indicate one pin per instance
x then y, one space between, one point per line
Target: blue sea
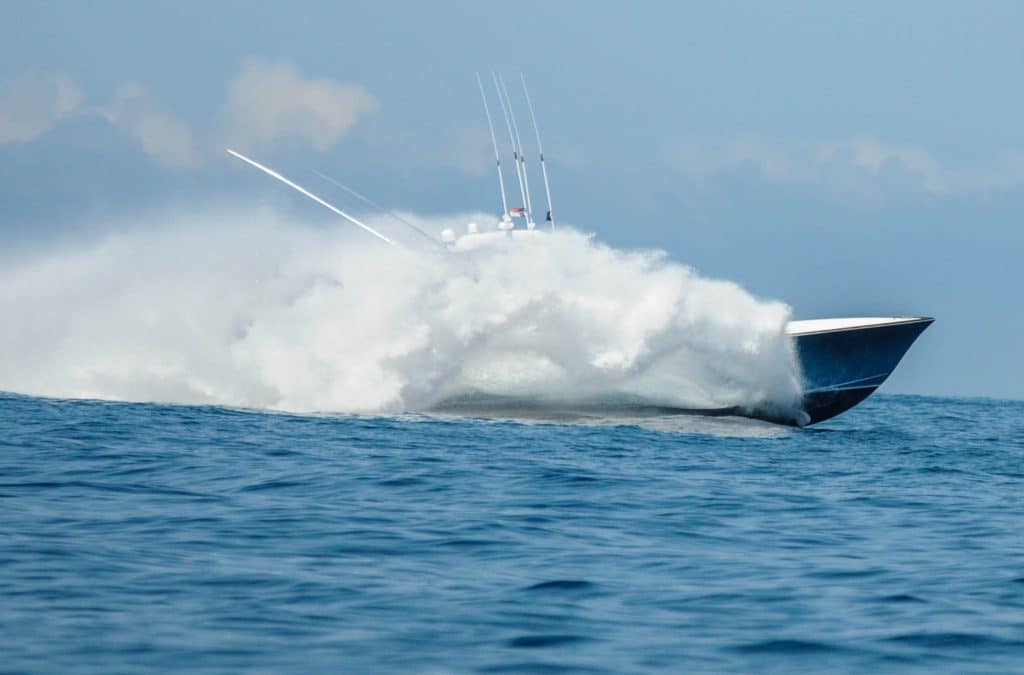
141 537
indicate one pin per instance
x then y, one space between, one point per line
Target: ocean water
144 537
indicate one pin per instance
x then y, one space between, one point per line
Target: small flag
516 211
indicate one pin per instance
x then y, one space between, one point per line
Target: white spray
250 310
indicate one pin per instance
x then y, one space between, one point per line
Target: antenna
373 204
318 200
522 161
540 149
494 142
512 138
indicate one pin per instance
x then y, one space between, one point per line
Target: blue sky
856 159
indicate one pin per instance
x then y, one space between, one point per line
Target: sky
847 158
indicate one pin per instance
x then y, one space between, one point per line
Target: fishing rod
512 139
318 200
375 205
540 149
526 180
494 142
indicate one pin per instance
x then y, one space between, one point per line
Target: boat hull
844 361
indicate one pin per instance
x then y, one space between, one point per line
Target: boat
842 360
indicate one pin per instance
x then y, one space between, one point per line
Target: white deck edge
806 326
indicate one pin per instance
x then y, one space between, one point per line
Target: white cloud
852 165
270 101
874 157
32 103
162 135
700 158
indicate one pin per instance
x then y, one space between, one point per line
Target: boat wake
257 311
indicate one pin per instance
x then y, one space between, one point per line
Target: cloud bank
857 164
265 104
270 105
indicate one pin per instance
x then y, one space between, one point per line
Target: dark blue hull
843 366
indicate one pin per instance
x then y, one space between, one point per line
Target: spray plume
249 310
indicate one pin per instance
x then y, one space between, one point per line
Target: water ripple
142 537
